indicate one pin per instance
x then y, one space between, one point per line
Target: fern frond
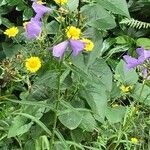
135 23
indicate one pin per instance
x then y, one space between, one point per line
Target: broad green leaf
98 17
145 95
52 27
115 115
10 49
70 118
88 122
37 121
99 95
143 42
100 72
19 126
27 13
73 4
125 76
115 6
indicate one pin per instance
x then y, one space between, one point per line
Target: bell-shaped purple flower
76 46
59 50
40 10
132 62
143 54
33 28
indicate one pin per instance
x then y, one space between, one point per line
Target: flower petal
76 46
143 54
132 62
58 50
33 28
40 10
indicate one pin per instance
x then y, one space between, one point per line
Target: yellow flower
114 105
73 32
88 44
11 32
134 140
33 64
125 89
61 2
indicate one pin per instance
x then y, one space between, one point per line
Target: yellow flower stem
56 106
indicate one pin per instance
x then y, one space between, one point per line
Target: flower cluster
33 27
76 45
143 60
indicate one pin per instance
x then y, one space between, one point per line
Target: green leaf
70 118
37 121
115 6
73 4
19 126
13 2
143 42
88 122
27 13
125 76
100 72
145 96
52 27
10 49
98 17
115 115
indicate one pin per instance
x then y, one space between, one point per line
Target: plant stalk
56 107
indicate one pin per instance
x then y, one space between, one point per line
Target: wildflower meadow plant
63 82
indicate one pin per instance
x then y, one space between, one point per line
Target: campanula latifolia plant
71 78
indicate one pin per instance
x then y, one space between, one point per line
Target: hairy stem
56 107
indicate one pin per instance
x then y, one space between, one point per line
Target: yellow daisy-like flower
11 32
134 140
73 32
33 64
125 89
61 2
88 44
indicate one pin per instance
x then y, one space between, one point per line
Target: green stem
79 15
56 107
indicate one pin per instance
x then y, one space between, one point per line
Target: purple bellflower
40 10
143 54
76 46
33 28
134 62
